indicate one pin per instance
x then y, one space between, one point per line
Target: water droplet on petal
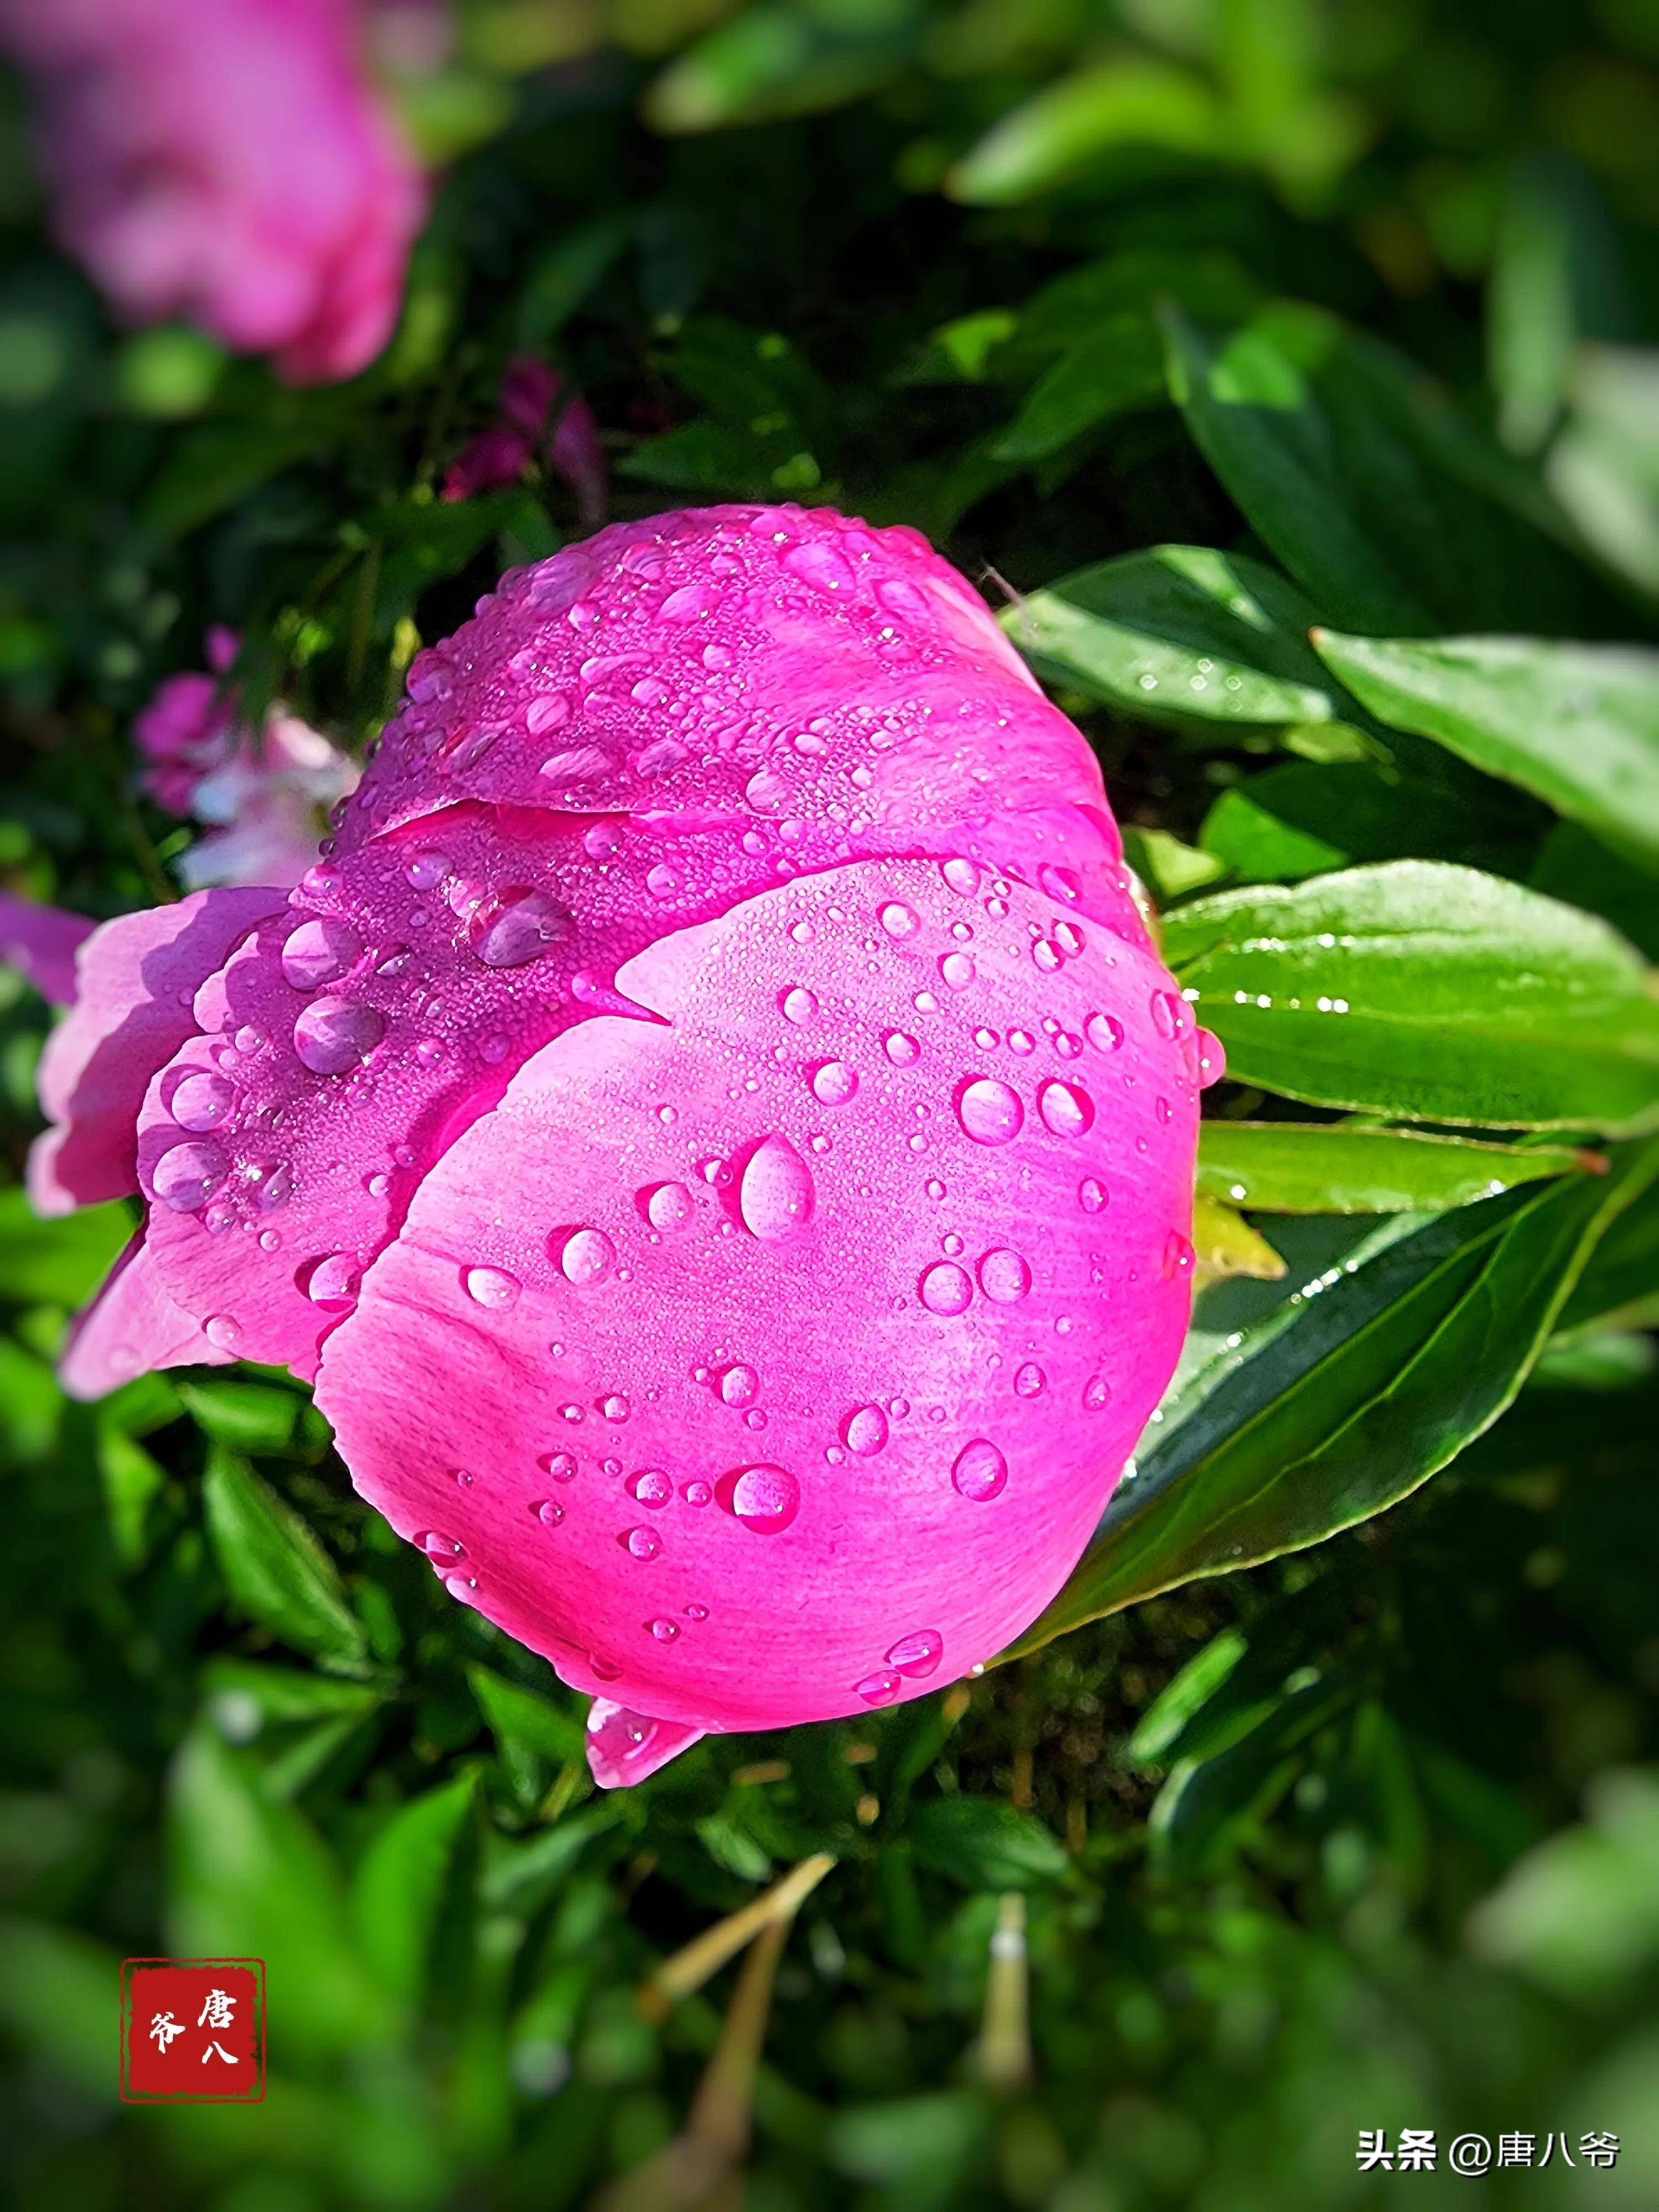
518 925
650 1487
560 1465
918 1654
586 1255
739 1385
1067 1108
956 970
945 1289
1091 1195
1179 1257
900 1049
765 1498
319 952
775 1196
1097 1392
332 1281
663 1631
187 1176
202 1102
668 1207
1062 883
1210 1059
898 919
1003 1276
1029 1381
834 1083
426 870
640 1543
989 1112
864 1431
335 1035
879 1689
1104 1031
220 1331
962 875
979 1471
798 1006
697 1494
548 1512
491 1286
1171 1017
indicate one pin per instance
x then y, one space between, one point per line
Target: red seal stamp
192 2031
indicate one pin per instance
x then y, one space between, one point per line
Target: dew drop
1104 1031
765 1498
221 1330
518 925
898 919
491 1286
798 1006
586 1255
668 1207
900 1048
319 952
956 970
548 1512
1211 1059
962 875
1092 1195
697 1493
917 1654
989 1112
1029 1381
880 1689
1097 1392
834 1083
187 1176
1067 1108
979 1471
864 1431
640 1543
663 1631
1062 883
650 1487
775 1196
335 1035
561 1466
1171 1017
614 1408
1003 1276
202 1102
1179 1257
945 1288
331 1282
427 869
739 1385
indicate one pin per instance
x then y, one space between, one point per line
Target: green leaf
248 1417
1071 123
984 1844
1620 1287
530 1733
1207 1805
250 1877
399 1887
1577 726
277 1572
1167 868
1118 367
1295 1167
1335 1402
1304 819
1428 992
131 1479
1165 1720
1183 631
1393 512
60 1262
1071 307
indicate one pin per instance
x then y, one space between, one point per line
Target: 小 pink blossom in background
528 390
228 162
712 1122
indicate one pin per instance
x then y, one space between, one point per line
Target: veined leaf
1576 724
1377 497
1306 819
1296 1167
1181 630
1428 992
277 1572
1338 1400
1620 1288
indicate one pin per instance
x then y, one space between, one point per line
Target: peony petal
41 943
624 1747
131 1326
851 1281
137 976
794 668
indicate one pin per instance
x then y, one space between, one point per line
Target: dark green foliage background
1315 1835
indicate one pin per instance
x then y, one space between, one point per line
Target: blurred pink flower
226 161
712 1120
264 794
526 396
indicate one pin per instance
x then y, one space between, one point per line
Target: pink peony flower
41 943
225 159
496 456
720 1045
265 794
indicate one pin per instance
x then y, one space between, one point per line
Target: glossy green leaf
248 1417
1074 121
1208 1804
399 1888
1620 1288
1181 630
1321 1408
984 1844
1393 512
1296 1167
277 1572
530 1734
1166 1719
1426 992
1306 819
1577 726
1118 366
252 1877
60 1262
